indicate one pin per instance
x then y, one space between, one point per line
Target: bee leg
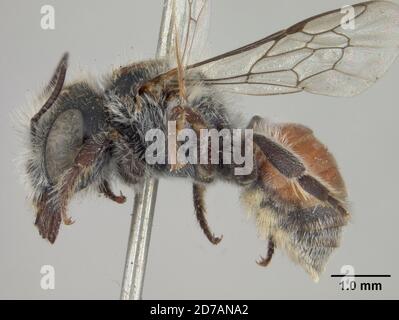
178 114
48 220
289 165
84 162
183 116
205 173
292 167
247 179
200 211
264 261
254 121
107 191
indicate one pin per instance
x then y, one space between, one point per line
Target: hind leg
293 168
264 261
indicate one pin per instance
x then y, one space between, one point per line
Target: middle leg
105 189
200 211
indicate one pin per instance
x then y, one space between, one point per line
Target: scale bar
361 275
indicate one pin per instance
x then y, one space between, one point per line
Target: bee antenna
56 83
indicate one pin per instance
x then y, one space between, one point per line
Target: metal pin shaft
144 201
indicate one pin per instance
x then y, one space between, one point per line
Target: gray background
89 256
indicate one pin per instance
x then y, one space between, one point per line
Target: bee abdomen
303 213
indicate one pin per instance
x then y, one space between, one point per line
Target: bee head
70 115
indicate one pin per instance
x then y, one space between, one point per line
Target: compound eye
63 143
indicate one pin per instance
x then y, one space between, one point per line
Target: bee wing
190 21
337 53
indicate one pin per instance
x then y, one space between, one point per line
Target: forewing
195 36
321 55
190 22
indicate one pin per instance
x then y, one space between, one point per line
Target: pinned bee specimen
85 135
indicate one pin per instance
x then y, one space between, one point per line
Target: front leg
52 205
